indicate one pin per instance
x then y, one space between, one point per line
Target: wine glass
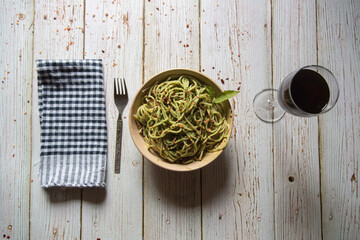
306 92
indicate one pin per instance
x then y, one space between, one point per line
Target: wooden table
295 179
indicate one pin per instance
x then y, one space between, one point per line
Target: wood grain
172 207
339 48
114 33
237 201
296 179
296 156
58 34
15 117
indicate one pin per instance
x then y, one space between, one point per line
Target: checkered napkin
73 123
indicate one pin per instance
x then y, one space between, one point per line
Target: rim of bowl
137 137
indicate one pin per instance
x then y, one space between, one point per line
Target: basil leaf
225 96
211 91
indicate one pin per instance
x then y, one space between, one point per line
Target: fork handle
118 145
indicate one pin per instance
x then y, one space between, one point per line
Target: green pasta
180 122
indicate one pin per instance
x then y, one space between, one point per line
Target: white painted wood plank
55 213
172 207
114 33
15 117
237 201
339 48
171 36
296 156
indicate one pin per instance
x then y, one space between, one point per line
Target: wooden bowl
139 139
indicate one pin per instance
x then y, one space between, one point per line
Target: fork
120 99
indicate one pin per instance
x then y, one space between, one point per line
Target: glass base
266 106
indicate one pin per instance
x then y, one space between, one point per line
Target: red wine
306 92
309 91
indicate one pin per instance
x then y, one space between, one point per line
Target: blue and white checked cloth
73 123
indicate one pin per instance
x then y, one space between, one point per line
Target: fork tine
121 86
121 82
116 87
125 89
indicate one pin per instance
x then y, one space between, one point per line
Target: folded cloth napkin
73 123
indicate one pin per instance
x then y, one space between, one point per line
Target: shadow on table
216 178
92 195
187 189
